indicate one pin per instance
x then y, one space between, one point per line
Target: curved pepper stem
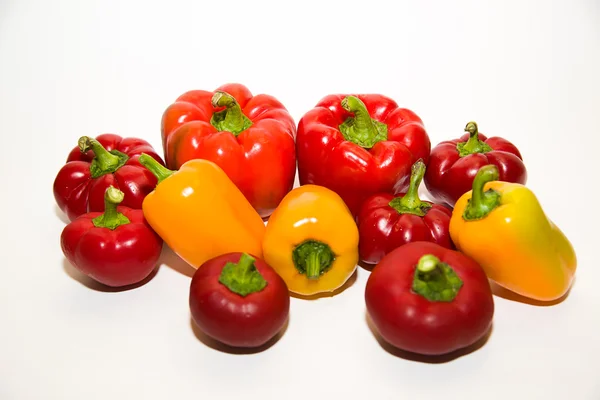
154 166
361 129
313 258
482 203
473 145
242 277
410 202
231 119
435 280
111 218
104 162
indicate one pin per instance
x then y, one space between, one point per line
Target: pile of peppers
220 194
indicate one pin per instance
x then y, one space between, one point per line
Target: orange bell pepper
200 213
502 226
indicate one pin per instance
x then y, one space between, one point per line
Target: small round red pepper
116 248
426 299
96 164
359 145
239 300
453 164
386 222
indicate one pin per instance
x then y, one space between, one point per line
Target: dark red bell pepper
386 222
251 137
96 164
359 145
239 300
116 248
426 299
454 163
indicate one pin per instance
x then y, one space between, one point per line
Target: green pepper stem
473 145
154 166
111 218
231 119
242 277
427 263
312 258
104 161
361 128
435 280
482 202
410 202
103 157
313 265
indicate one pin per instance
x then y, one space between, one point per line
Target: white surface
527 71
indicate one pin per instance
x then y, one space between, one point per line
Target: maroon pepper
96 164
386 222
239 300
116 248
453 164
426 299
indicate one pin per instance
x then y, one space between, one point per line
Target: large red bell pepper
252 138
359 145
98 163
454 163
386 222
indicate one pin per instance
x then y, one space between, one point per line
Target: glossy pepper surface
502 226
359 145
96 164
200 213
251 137
454 163
116 247
386 222
427 299
239 300
311 241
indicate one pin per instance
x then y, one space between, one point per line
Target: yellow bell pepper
200 213
311 241
503 227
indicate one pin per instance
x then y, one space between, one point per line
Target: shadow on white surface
339 290
173 261
506 294
61 215
216 345
445 358
90 283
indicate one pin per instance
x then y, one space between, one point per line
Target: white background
525 70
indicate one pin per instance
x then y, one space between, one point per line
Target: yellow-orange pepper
311 241
200 213
503 227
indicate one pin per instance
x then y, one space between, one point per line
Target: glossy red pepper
252 138
360 145
239 300
96 164
116 248
454 163
426 299
386 222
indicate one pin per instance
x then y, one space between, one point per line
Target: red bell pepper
454 163
426 299
359 145
239 300
98 163
386 222
116 248
252 138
